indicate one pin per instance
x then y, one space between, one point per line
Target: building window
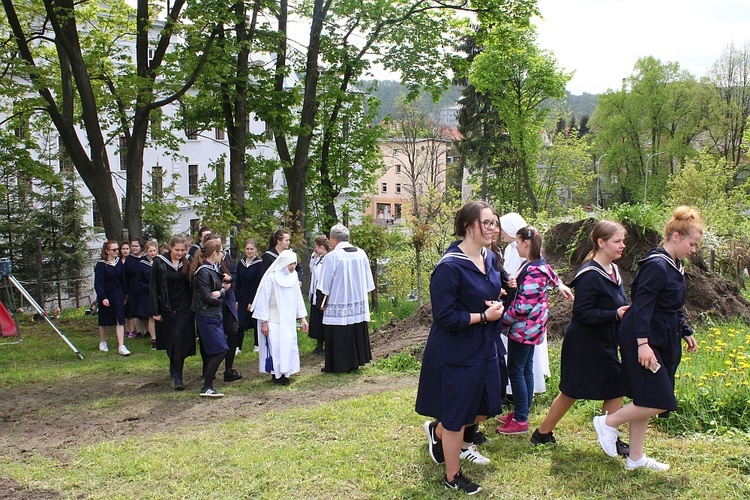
191 134
122 204
22 130
268 133
157 181
96 215
398 169
398 188
384 187
397 211
193 180
123 144
151 54
194 226
219 134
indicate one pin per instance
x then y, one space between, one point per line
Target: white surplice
347 278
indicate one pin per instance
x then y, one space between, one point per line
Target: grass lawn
359 446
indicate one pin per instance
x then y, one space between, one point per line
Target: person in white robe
345 284
277 307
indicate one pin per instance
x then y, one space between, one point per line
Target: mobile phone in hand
654 367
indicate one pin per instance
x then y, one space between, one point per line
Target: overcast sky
602 39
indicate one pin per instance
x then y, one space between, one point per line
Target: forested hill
583 104
390 92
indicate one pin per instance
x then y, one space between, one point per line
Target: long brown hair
531 233
199 257
178 239
604 229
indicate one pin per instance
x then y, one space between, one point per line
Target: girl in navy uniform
650 339
143 307
590 364
109 284
322 247
170 302
229 315
209 290
248 279
459 384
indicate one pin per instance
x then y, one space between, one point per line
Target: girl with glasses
109 284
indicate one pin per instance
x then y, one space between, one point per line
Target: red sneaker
504 419
513 427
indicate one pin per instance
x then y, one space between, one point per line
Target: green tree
650 124
161 209
730 107
566 170
518 77
216 208
373 239
85 79
413 37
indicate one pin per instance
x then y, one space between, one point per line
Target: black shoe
479 438
178 385
139 335
283 380
232 375
539 438
434 445
319 350
623 449
461 482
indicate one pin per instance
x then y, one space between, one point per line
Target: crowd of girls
184 293
610 350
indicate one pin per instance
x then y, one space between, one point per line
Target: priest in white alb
345 284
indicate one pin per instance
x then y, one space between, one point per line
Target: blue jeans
521 375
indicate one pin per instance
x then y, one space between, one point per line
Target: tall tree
728 116
76 61
413 37
647 128
422 146
518 77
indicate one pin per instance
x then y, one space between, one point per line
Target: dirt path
54 420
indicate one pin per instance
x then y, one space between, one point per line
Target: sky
601 40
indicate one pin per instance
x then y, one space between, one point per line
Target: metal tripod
5 270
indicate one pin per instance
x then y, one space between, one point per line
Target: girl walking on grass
590 364
209 290
526 324
459 384
109 284
649 339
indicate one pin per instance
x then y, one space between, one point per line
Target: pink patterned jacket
525 319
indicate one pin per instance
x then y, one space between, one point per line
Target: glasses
489 223
112 249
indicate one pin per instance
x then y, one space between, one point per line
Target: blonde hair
685 220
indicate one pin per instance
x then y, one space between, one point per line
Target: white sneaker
256 349
607 435
123 350
103 347
472 454
237 351
645 463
